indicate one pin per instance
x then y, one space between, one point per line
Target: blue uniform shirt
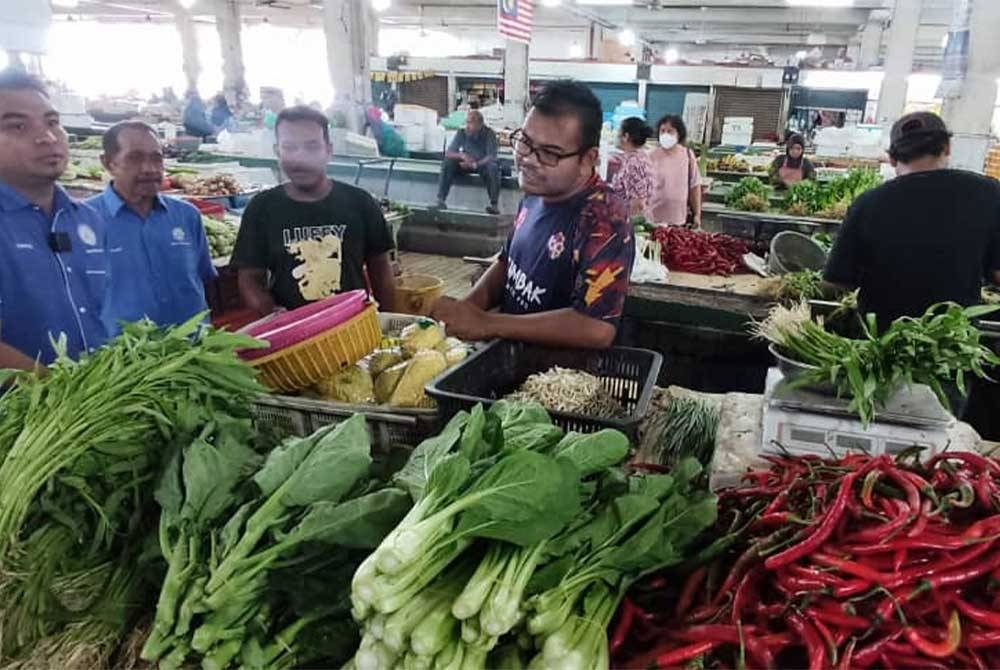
160 263
43 291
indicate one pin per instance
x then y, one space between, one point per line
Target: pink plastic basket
287 329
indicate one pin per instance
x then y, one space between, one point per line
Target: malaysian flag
514 19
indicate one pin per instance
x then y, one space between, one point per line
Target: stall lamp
381 5
551 3
187 4
575 50
66 4
626 37
671 56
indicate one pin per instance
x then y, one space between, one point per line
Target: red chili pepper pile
686 250
853 563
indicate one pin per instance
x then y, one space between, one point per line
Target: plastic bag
647 267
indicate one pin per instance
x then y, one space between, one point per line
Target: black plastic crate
491 374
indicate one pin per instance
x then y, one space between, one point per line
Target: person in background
195 118
53 265
312 236
634 178
930 235
157 247
676 197
474 149
793 166
220 115
562 276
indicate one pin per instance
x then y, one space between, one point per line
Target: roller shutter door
763 104
431 92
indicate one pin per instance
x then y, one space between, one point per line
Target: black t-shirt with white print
311 249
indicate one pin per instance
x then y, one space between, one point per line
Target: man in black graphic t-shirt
930 235
311 237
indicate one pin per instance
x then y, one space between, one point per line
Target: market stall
561 512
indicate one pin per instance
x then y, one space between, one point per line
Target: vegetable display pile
750 195
260 554
829 199
794 287
221 236
569 391
688 430
699 252
80 450
942 346
519 546
853 563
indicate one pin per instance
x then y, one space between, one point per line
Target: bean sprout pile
569 391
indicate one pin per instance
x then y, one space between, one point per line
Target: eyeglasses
524 146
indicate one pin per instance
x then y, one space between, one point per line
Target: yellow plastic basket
322 356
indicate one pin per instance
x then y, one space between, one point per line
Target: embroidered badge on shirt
86 234
557 245
178 234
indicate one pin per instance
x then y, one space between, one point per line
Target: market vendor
793 166
930 235
53 266
312 236
562 276
156 244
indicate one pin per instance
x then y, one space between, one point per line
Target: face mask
668 141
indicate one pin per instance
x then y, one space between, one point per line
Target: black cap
917 124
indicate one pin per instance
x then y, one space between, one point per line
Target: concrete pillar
970 113
227 22
452 92
899 59
515 83
349 26
189 46
870 51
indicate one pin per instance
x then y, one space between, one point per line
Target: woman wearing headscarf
793 167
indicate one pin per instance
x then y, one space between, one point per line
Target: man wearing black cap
930 235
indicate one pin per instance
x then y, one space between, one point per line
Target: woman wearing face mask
793 167
676 197
634 179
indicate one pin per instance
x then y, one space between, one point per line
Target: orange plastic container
322 356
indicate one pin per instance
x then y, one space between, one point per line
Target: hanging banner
396 77
956 51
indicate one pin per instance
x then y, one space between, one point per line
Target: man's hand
462 319
468 164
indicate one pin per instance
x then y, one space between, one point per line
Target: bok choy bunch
260 554
517 528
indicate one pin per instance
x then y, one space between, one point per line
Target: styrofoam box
412 115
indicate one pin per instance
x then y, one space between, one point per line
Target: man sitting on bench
474 149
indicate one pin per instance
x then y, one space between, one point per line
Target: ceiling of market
754 25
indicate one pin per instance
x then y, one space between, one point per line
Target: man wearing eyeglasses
53 266
156 244
563 274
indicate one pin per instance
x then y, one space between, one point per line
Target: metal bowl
795 372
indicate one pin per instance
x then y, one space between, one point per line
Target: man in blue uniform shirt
156 244
53 265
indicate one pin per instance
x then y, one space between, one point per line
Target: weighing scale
803 421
